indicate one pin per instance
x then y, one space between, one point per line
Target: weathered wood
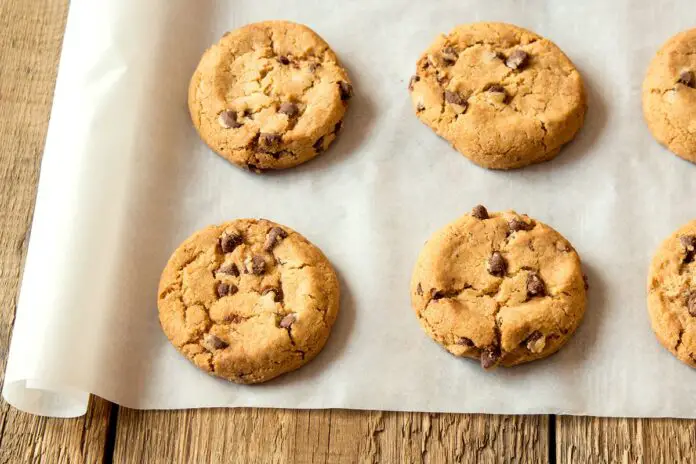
606 440
335 436
31 33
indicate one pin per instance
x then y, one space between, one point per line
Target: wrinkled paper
125 179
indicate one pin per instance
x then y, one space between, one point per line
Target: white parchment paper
125 179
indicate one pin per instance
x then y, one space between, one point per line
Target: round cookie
672 294
669 95
269 95
498 287
501 95
248 300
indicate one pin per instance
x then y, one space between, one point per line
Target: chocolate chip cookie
498 287
672 294
501 95
269 95
248 300
669 95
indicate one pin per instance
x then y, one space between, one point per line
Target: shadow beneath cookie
358 125
333 350
573 356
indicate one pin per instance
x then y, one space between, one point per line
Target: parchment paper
125 179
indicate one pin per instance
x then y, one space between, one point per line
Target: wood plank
333 436
31 33
604 440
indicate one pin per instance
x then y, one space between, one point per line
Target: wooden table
31 33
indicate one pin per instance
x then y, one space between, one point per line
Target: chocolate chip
517 59
436 294
235 318
288 321
497 265
228 120
412 82
517 224
346 90
274 236
211 342
277 293
480 212
420 107
490 357
689 244
458 102
230 241
270 141
449 55
283 59
290 109
225 289
465 342
230 269
535 286
258 265
687 78
319 144
419 289
691 304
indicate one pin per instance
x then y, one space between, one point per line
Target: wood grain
334 436
30 39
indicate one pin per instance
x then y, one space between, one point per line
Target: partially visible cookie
269 95
672 294
503 96
669 95
248 300
498 287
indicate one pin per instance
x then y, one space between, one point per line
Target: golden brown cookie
269 95
248 300
501 95
669 95
672 294
498 287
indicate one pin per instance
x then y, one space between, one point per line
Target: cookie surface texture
269 95
503 96
672 294
248 300
669 95
498 287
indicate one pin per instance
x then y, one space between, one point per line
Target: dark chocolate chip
480 212
535 286
419 289
517 59
288 321
283 59
258 265
224 289
273 237
497 265
230 269
691 304
211 342
490 357
289 109
235 318
277 293
449 55
517 224
436 294
230 241
465 342
420 107
687 78
412 82
270 141
454 98
346 90
688 242
319 144
228 120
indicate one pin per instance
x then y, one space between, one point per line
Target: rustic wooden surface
30 39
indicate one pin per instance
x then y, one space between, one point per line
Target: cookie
248 300
269 95
503 96
498 287
672 294
669 95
